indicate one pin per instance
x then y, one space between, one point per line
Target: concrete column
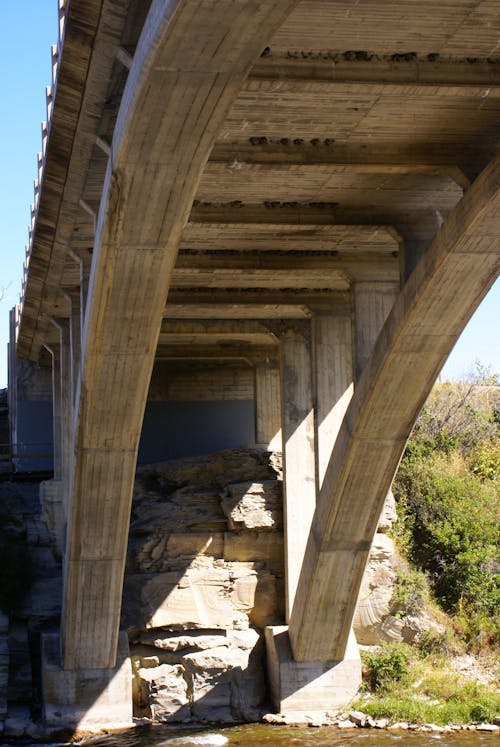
51 491
75 332
85 266
267 405
298 448
66 398
333 373
12 376
55 351
373 302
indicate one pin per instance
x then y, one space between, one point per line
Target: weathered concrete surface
85 699
298 686
299 459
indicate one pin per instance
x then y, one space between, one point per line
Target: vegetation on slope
448 501
448 496
403 684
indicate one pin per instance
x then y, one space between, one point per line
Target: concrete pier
85 699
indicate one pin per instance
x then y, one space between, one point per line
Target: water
259 735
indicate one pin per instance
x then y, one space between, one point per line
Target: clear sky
29 28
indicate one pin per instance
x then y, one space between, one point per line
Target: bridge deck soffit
335 124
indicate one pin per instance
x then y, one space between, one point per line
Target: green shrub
386 667
480 712
484 461
432 693
411 591
451 531
440 643
448 500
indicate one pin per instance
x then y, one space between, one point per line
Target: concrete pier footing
86 699
298 686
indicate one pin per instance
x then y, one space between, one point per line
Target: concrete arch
431 311
192 56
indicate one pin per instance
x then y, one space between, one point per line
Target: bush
458 415
484 461
432 693
411 592
447 492
452 532
386 667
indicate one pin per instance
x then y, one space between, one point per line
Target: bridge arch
427 318
188 67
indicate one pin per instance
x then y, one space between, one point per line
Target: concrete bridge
308 188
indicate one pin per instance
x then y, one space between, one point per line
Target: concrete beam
263 236
277 269
200 351
431 311
187 306
390 70
417 222
408 158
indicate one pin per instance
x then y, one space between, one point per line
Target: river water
258 735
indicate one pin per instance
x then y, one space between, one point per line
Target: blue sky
30 28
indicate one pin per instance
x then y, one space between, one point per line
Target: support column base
299 687
85 699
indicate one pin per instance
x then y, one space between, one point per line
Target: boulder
194 639
254 505
224 683
375 595
163 690
196 599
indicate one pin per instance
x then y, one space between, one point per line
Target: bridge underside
308 187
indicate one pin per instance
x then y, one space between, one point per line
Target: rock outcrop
377 619
204 577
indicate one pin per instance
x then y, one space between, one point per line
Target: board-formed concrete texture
309 686
299 189
85 699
